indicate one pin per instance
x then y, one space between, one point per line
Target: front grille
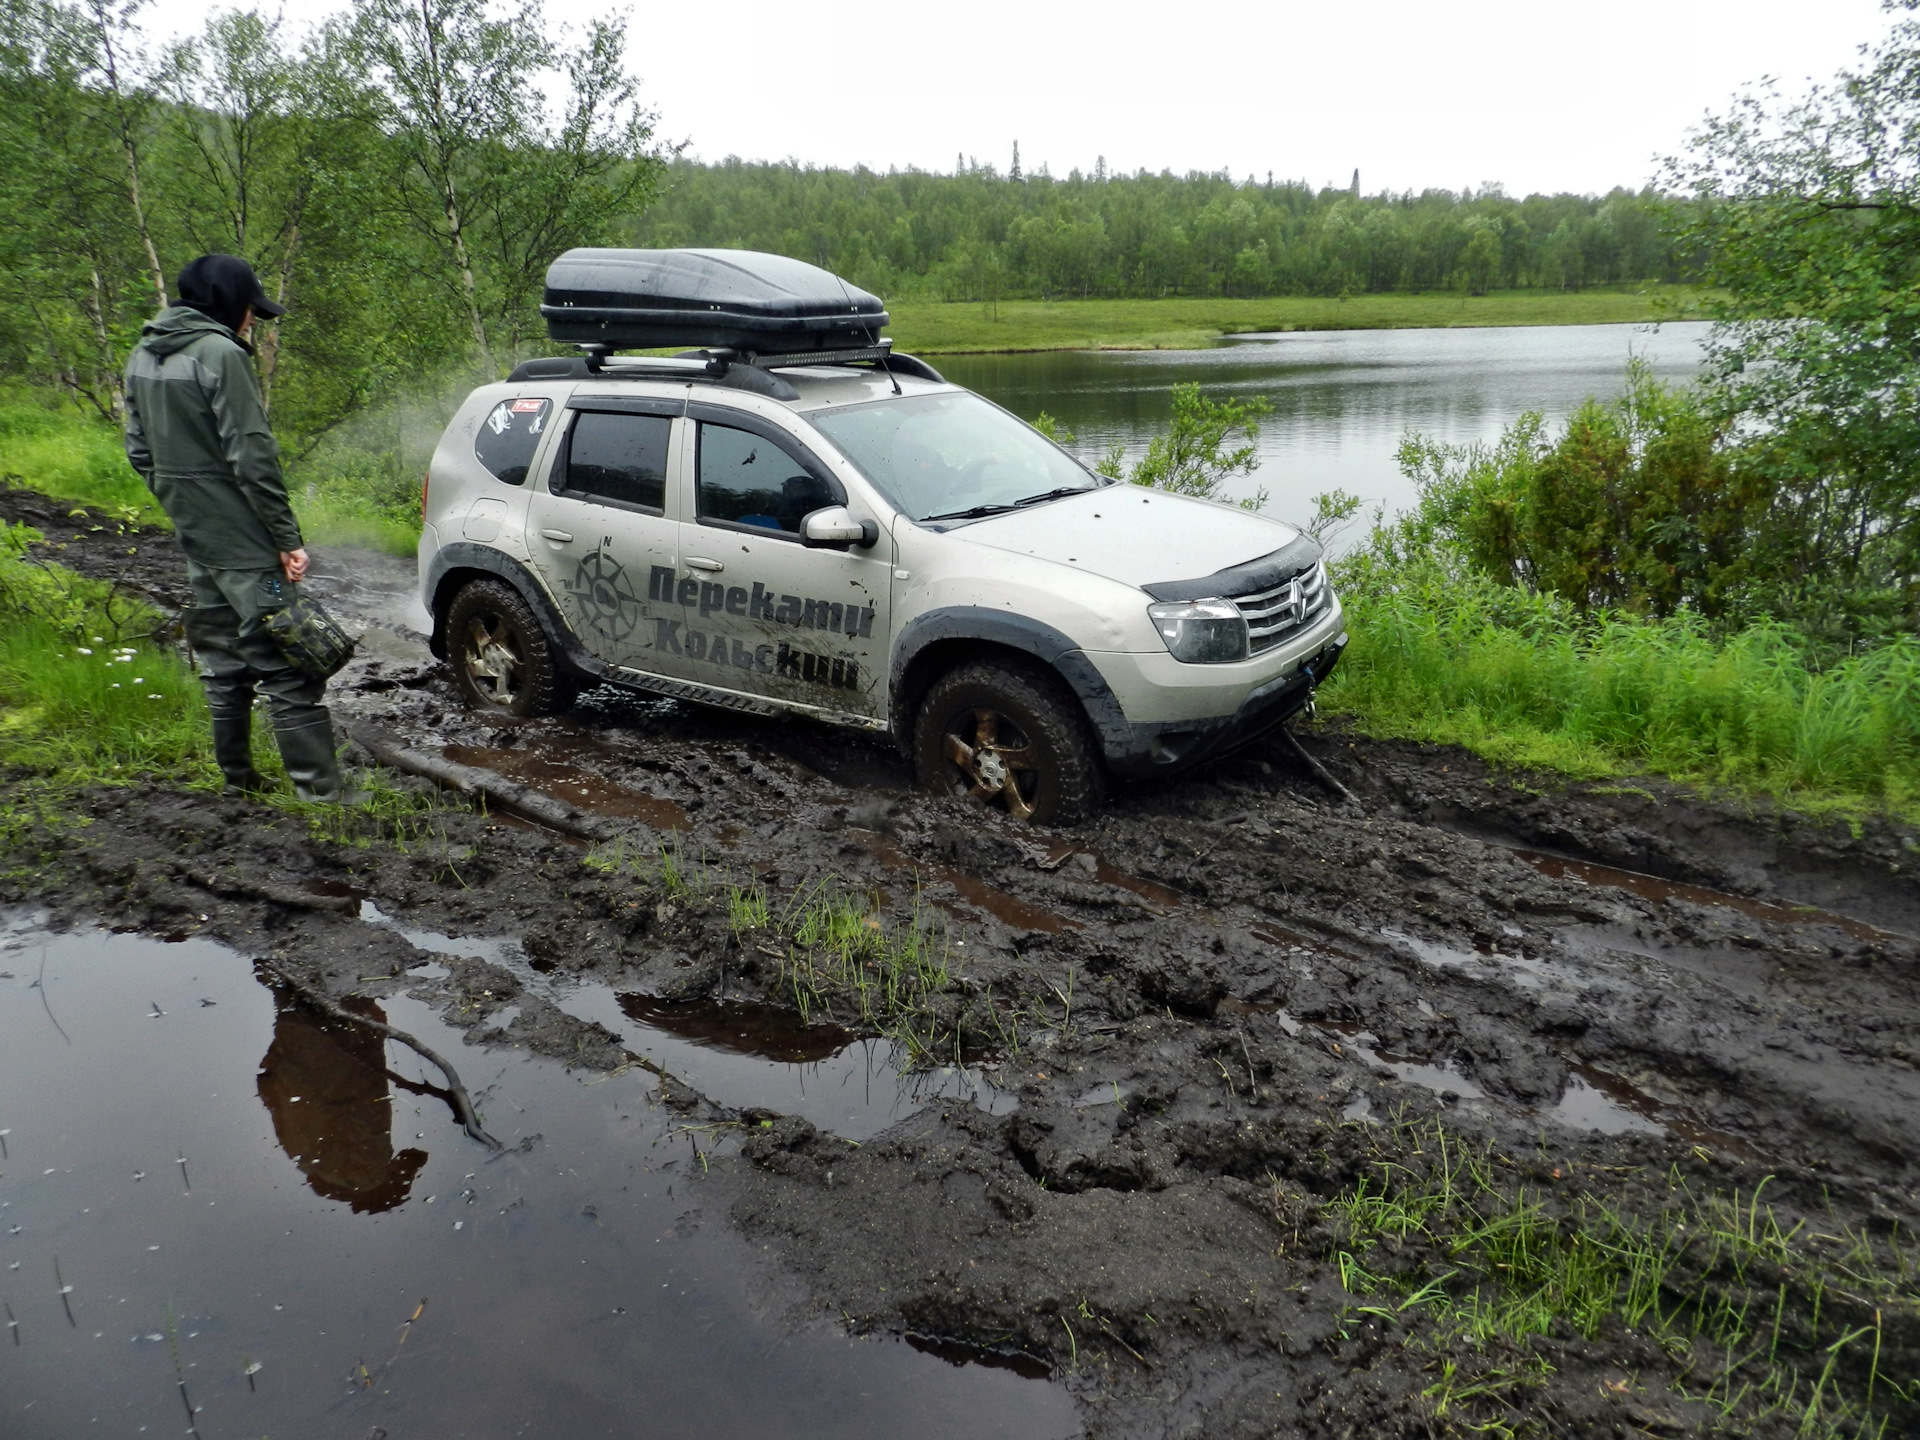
1274 614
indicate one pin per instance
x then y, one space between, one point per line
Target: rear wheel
502 659
1010 736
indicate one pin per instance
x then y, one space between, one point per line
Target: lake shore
1183 323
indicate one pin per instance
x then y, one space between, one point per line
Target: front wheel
1011 737
502 659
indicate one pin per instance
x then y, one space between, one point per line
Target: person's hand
294 563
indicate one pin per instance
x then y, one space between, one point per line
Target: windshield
951 454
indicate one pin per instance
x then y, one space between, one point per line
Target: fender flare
1015 632
465 555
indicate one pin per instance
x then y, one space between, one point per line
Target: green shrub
1639 504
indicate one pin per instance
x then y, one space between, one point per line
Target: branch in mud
471 780
234 887
1316 769
456 1091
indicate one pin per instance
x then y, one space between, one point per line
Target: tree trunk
466 270
108 373
269 346
125 127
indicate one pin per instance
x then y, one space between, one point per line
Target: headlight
1201 632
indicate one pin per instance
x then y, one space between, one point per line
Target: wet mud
1213 1010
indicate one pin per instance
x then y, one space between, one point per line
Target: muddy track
1223 1000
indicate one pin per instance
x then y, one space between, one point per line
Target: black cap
222 287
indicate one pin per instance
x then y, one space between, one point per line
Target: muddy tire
1011 736
501 657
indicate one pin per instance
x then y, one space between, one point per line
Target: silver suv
846 536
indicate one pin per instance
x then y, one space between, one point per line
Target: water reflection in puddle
854 1090
1523 970
1651 887
1596 1101
393 1278
329 1093
741 1055
745 1027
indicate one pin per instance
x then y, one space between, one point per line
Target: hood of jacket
179 326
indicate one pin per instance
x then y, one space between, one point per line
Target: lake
1342 399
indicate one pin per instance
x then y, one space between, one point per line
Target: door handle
700 562
559 537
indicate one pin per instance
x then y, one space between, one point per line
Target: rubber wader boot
233 751
312 765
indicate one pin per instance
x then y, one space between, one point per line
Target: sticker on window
509 436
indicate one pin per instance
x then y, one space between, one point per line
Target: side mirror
835 529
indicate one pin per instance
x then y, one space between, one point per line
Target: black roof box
739 299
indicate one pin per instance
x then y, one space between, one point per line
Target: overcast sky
1538 96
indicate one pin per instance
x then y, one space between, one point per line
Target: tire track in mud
1252 970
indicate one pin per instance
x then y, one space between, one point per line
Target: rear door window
748 480
509 436
617 459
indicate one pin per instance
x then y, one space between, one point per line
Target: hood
1137 536
179 326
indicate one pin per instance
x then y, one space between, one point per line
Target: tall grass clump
86 694
1441 653
360 498
841 960
1764 1314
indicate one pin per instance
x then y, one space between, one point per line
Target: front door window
757 611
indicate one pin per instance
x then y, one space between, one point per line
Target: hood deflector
1248 577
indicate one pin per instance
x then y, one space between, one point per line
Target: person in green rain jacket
198 435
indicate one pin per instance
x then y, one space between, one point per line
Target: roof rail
738 369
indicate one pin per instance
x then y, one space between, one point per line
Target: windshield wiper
974 512
1056 494
977 512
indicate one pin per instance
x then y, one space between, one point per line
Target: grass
343 496
934 328
86 694
49 445
92 692
1439 654
841 960
833 954
1764 1316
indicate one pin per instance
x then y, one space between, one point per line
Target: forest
978 234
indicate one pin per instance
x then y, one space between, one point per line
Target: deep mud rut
1192 1023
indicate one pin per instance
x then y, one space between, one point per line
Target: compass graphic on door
605 596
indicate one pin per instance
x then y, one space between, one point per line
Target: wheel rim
994 760
495 663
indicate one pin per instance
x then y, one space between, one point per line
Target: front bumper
1168 747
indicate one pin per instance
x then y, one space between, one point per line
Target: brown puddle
1598 1100
573 784
958 1352
1009 910
742 1026
336 890
1651 887
1149 890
